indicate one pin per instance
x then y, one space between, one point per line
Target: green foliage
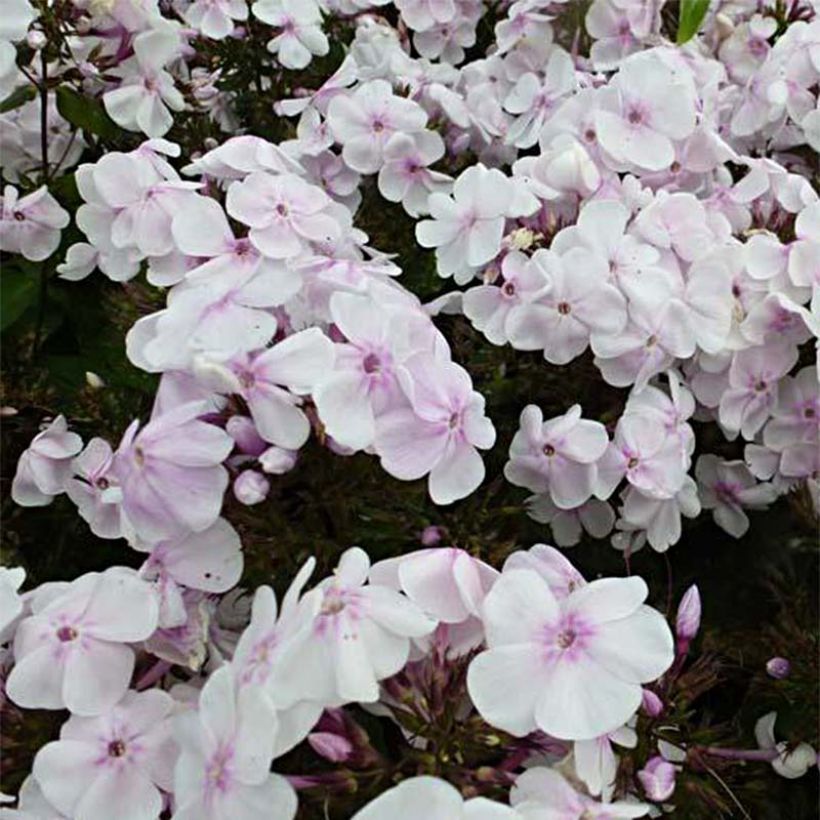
692 14
22 95
86 113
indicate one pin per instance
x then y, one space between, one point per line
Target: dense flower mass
614 194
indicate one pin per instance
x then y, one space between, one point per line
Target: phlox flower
147 91
301 37
359 635
726 488
440 431
541 792
421 15
31 225
285 213
557 456
364 121
608 23
432 798
526 22
646 454
466 228
72 651
642 110
571 667
94 489
256 660
363 382
45 467
595 517
272 381
796 415
580 302
754 376
171 473
792 761
489 306
214 18
551 564
597 764
405 177
210 561
120 758
226 749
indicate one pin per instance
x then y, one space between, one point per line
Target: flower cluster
643 208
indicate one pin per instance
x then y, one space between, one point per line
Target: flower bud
251 487
688 620
778 668
651 703
94 381
35 39
658 779
334 748
243 431
277 460
431 536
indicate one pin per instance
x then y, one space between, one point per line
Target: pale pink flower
726 488
596 763
753 386
440 431
285 213
44 469
121 758
541 792
226 749
433 799
579 303
488 306
572 668
658 779
365 120
643 109
301 37
94 489
31 225
594 516
214 18
796 415
405 176
72 651
557 456
358 635
466 228
792 761
171 473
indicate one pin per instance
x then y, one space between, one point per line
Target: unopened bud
431 536
209 143
243 431
251 488
778 668
35 39
658 779
277 460
93 380
651 703
6 411
334 748
687 623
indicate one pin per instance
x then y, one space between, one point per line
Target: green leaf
18 291
86 113
17 98
692 13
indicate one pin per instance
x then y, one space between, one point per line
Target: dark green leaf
692 13
85 112
18 291
17 98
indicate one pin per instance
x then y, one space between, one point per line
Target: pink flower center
508 289
564 308
20 217
760 386
372 363
636 115
116 748
102 483
549 450
67 633
247 379
633 462
282 209
566 638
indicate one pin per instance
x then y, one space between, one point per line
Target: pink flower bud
658 779
334 748
250 487
651 703
243 431
35 39
431 536
277 461
778 668
688 620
